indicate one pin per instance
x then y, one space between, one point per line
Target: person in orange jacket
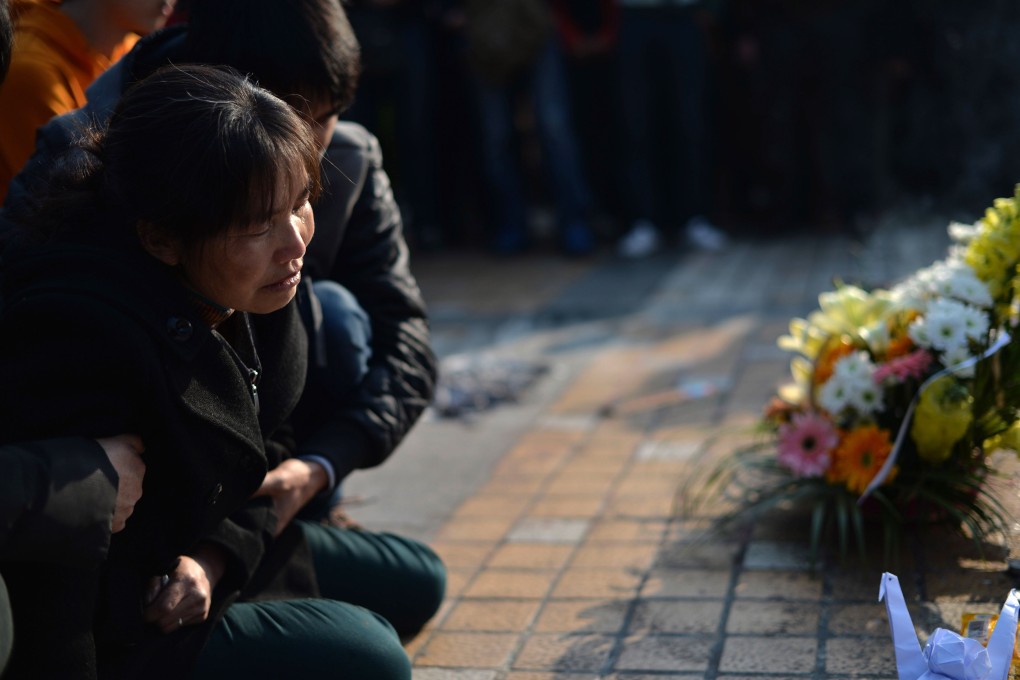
59 49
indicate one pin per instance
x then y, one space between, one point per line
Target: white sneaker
701 234
641 241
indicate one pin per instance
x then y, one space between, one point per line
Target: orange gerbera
859 456
900 343
834 350
899 346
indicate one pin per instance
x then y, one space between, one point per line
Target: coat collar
129 281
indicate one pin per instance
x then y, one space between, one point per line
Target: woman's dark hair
191 149
302 50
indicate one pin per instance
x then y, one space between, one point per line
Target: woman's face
256 268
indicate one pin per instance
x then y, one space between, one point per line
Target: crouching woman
153 293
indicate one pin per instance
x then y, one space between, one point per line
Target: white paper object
948 655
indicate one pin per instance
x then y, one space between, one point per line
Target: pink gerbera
805 443
913 365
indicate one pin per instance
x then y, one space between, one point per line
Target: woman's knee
431 588
303 638
398 577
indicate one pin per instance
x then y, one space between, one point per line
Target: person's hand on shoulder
125 454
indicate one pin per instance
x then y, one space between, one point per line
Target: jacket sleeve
243 537
372 262
62 377
57 499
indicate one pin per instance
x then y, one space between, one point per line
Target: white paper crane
948 655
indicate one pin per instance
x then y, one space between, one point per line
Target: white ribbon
1001 341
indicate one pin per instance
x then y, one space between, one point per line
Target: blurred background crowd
759 117
637 125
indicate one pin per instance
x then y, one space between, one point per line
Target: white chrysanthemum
945 323
945 331
927 275
963 233
954 356
958 280
920 332
911 293
866 397
975 323
834 396
949 278
852 385
854 367
957 252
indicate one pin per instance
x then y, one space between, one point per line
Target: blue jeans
340 337
662 54
341 346
546 84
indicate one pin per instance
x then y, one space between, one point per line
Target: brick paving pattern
567 553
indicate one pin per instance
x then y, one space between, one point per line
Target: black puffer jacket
358 242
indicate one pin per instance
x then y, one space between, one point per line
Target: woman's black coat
99 342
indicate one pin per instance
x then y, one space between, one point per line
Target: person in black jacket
374 368
170 312
61 499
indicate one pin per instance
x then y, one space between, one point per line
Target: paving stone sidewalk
558 515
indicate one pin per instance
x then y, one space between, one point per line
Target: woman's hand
182 598
291 484
125 454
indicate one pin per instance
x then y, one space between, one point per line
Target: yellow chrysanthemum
1010 440
859 456
848 318
804 338
994 253
847 312
942 418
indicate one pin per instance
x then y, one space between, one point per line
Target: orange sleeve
33 93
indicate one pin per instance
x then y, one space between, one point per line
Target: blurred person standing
514 53
809 152
60 48
398 82
589 32
663 84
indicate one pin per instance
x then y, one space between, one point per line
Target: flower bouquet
898 396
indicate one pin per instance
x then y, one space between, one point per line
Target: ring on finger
180 623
